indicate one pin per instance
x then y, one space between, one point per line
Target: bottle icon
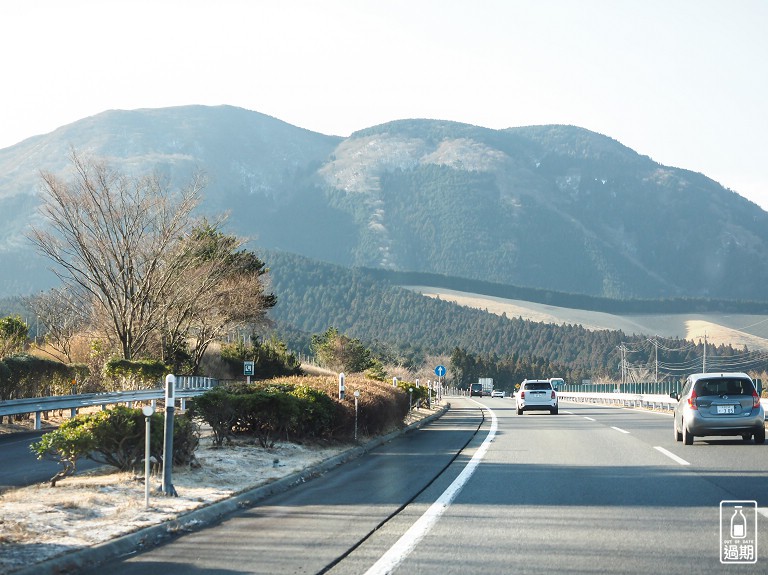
738 524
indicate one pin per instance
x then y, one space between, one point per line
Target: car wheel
687 436
760 436
519 411
746 436
553 411
678 435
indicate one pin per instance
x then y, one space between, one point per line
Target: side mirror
675 395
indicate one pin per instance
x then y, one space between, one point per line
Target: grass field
734 329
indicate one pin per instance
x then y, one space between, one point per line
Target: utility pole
704 363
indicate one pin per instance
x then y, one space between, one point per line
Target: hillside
404 327
738 330
547 207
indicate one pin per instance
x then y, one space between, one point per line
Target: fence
186 386
652 388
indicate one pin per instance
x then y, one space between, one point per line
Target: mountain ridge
552 207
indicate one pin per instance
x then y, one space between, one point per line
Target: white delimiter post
147 410
342 389
170 399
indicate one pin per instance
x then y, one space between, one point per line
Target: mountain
549 207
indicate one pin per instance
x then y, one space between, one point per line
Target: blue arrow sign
440 371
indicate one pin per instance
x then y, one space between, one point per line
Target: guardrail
648 400
186 386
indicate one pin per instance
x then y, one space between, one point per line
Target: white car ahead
536 394
497 393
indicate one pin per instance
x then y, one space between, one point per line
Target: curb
89 557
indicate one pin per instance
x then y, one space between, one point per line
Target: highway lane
587 491
313 525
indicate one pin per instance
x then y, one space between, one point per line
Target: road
586 491
20 466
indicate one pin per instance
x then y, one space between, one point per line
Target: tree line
403 327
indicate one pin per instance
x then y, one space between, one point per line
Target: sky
684 82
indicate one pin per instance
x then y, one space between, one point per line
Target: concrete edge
148 537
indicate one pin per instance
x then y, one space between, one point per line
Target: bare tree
62 318
117 242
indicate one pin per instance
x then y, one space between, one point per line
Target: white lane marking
671 455
407 543
619 429
589 418
568 412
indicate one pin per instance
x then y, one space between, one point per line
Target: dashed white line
671 455
590 418
619 429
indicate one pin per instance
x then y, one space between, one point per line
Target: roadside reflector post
342 390
357 394
170 399
147 410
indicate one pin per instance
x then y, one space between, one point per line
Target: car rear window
534 385
722 386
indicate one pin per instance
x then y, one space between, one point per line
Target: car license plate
725 409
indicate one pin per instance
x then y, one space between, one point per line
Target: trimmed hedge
115 437
300 408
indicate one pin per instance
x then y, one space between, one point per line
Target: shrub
218 408
141 374
271 358
114 437
317 411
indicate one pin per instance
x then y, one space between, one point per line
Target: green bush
115 437
271 358
317 412
219 409
419 394
26 375
137 374
300 408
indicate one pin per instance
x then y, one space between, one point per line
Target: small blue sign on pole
440 371
248 368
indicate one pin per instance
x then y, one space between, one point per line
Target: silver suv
718 404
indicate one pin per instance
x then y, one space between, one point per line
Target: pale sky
682 81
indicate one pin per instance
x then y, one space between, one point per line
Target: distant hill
406 327
548 207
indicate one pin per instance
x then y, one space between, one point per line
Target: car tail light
553 394
755 399
522 395
692 400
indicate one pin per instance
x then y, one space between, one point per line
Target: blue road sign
440 371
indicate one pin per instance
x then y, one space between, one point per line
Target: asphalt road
592 490
20 467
